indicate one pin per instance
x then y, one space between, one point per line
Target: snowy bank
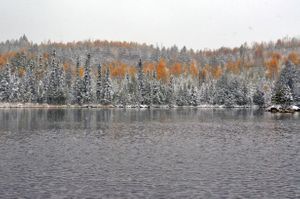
281 109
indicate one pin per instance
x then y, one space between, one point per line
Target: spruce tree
5 84
193 97
55 90
107 89
258 98
141 83
170 93
99 85
157 97
78 86
15 89
30 85
282 95
87 82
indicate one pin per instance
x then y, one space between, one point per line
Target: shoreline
271 108
99 106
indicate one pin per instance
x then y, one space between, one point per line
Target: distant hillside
129 52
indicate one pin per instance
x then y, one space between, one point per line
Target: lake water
184 153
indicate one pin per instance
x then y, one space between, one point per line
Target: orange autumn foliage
194 70
205 71
45 55
6 56
294 57
233 67
148 68
66 66
2 61
81 71
272 67
118 70
216 72
276 55
131 71
161 69
186 70
21 71
176 69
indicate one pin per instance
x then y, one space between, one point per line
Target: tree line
110 73
52 83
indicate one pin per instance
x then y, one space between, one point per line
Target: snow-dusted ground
279 108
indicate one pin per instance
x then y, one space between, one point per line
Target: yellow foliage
176 69
162 72
131 71
217 72
233 67
21 71
148 68
81 71
118 69
272 67
194 70
294 57
66 66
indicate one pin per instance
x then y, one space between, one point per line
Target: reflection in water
39 119
174 153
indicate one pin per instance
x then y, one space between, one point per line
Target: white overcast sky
196 24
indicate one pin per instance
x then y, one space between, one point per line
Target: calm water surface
149 154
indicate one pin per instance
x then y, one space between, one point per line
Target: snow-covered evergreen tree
170 93
107 89
258 98
147 94
30 94
157 94
282 95
182 96
99 85
77 86
5 84
193 97
288 76
55 91
15 89
124 95
141 83
87 93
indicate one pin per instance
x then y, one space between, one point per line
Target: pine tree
141 84
282 95
55 90
87 82
124 95
221 95
30 85
15 89
157 96
170 95
78 86
99 85
288 76
193 97
5 84
182 96
258 98
107 89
